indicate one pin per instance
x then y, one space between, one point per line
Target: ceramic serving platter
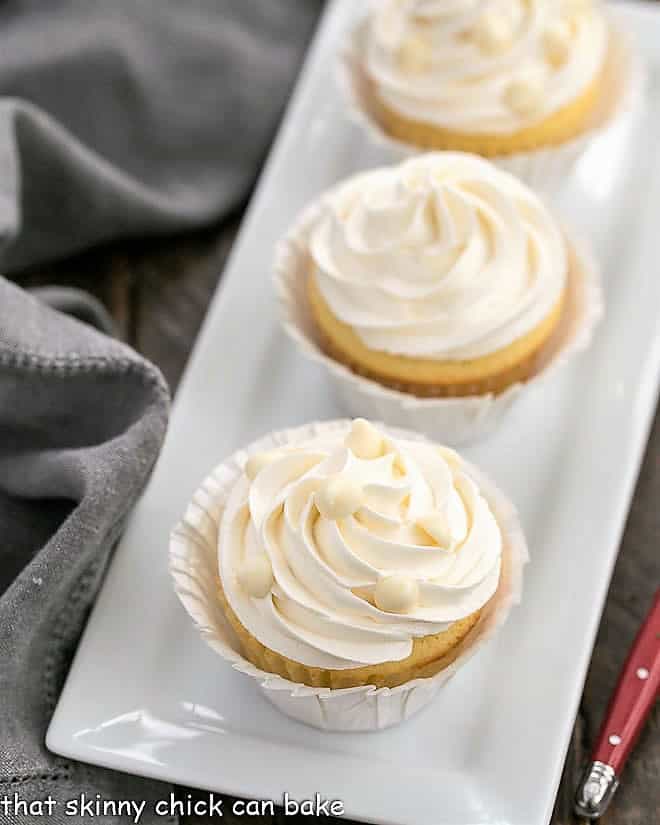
146 695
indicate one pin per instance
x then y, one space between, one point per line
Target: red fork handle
631 703
635 695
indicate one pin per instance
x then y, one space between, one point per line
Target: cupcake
441 277
500 78
344 556
486 76
435 292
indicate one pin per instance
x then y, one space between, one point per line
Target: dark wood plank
105 273
159 291
174 285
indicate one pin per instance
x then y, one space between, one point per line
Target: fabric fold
131 118
82 419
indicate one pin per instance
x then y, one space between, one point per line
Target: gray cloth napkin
126 117
116 118
82 418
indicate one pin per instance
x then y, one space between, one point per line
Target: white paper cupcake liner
193 562
545 169
453 421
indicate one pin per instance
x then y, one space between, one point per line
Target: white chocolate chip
525 95
256 463
415 54
557 42
396 594
339 497
255 576
364 440
492 33
436 526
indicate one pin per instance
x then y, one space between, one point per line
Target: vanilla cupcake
441 277
347 557
435 292
495 77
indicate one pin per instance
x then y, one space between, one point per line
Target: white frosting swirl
321 610
442 257
461 64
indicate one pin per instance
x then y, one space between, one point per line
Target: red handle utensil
631 703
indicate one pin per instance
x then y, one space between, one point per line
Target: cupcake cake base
430 378
430 655
562 126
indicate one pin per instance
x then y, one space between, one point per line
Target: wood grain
159 291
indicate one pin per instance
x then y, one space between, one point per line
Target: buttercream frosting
483 66
355 586
444 256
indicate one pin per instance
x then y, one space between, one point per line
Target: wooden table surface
158 292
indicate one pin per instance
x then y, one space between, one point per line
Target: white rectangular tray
145 695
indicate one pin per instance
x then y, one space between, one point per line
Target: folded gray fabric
135 116
79 304
82 418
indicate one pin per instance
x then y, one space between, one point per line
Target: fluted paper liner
453 421
544 169
194 563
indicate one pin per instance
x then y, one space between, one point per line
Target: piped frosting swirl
340 551
444 256
484 66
